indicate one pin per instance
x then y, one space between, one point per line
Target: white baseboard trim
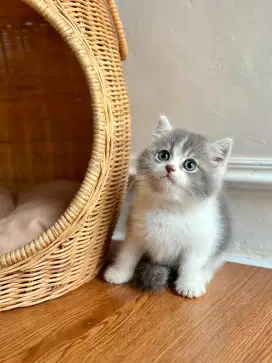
255 173
118 236
243 172
250 262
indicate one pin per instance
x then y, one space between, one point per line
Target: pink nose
170 168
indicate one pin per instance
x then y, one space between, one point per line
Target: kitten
179 216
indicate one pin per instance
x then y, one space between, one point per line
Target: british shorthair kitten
179 217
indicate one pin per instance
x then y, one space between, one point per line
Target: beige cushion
37 209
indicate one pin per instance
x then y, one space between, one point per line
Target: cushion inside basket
46 128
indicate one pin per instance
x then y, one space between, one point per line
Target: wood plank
102 323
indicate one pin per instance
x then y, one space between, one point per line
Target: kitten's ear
162 128
221 150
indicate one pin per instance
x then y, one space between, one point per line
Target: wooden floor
109 324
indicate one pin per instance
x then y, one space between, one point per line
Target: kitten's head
181 164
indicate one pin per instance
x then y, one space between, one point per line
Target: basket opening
45 107
46 128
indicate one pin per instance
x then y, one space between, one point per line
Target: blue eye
163 155
190 165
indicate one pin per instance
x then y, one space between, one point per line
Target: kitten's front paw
115 275
191 288
207 276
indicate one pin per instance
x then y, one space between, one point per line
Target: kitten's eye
163 155
190 165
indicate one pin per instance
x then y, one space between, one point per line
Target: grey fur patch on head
202 183
151 277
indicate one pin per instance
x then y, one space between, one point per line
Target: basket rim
100 155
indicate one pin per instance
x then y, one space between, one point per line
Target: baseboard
250 262
243 172
255 173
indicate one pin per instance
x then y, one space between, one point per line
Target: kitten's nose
170 168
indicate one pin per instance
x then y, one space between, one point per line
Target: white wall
252 216
205 63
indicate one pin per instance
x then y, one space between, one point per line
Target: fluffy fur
151 277
179 217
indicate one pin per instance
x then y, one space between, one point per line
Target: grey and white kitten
178 217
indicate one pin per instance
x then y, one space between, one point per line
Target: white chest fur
166 230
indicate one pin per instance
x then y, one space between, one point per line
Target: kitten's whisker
131 184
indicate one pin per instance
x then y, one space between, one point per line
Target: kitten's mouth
168 176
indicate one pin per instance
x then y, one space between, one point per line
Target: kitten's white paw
190 289
207 276
115 275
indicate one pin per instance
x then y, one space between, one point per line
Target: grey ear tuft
221 149
163 127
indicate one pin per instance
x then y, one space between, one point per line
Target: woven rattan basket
64 113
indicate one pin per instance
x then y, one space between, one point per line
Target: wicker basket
64 113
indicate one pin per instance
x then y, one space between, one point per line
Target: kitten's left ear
163 127
221 150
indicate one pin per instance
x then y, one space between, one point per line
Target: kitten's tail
151 277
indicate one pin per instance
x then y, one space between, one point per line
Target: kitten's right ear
162 128
221 150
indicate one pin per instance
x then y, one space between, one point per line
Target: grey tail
151 277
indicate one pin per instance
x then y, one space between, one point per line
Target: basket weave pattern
71 252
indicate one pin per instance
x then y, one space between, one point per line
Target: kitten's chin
166 189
